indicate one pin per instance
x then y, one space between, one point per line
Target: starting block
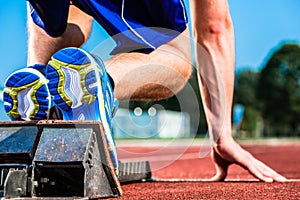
61 159
55 159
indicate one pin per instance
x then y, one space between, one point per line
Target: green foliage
249 122
245 94
245 89
279 89
273 93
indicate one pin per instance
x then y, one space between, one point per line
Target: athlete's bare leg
213 31
157 75
154 76
41 46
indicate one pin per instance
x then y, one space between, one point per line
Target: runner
147 63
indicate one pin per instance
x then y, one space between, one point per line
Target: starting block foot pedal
134 171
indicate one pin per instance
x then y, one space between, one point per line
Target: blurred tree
245 94
279 90
249 122
245 89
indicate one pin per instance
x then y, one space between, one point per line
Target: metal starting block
55 159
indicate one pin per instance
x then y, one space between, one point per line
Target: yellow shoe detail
13 93
82 70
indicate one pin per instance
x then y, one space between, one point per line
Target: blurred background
267 84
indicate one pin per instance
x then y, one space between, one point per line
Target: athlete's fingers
255 171
267 171
263 172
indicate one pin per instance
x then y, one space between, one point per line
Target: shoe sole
75 84
26 95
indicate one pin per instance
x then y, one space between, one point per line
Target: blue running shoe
81 89
26 95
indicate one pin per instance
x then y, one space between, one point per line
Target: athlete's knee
78 37
78 28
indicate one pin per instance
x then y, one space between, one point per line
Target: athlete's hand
230 152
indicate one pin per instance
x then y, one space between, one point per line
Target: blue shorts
135 25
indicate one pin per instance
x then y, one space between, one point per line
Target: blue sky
260 26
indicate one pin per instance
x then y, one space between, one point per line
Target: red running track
185 162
